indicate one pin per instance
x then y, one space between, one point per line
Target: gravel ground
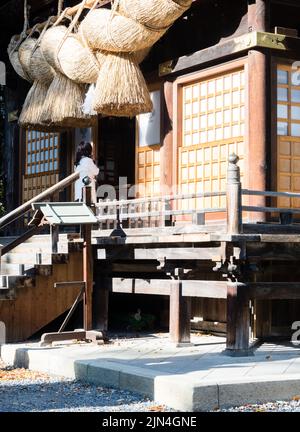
22 390
279 406
26 391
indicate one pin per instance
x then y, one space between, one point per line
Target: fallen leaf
156 408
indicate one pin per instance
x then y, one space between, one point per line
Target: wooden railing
24 208
151 211
160 211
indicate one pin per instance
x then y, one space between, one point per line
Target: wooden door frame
153 86
177 104
275 61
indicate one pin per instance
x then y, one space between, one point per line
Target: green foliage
134 322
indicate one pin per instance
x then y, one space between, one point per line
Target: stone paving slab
195 378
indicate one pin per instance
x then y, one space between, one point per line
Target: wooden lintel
237 45
190 288
274 290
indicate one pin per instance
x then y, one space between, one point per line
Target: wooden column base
238 321
180 315
100 302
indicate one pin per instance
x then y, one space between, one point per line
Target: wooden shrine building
209 238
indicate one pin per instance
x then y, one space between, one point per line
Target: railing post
233 196
87 263
54 230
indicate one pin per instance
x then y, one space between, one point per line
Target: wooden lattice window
288 134
148 170
42 152
41 163
213 119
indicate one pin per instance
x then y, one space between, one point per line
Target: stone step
44 238
6 294
39 247
34 258
26 258
9 285
15 269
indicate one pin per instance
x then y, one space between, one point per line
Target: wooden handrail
163 198
270 209
19 211
142 215
271 193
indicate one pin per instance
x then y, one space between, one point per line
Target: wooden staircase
28 299
30 265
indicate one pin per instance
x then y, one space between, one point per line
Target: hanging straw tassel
42 73
106 30
64 97
63 104
13 55
33 105
87 107
14 44
25 52
121 89
154 14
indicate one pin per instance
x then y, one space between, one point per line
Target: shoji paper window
213 120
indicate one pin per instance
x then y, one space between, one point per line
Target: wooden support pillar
87 265
238 321
167 154
257 111
54 238
180 315
100 301
264 318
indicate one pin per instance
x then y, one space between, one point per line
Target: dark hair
84 150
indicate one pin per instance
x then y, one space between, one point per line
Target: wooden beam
190 288
208 326
205 252
274 290
231 48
